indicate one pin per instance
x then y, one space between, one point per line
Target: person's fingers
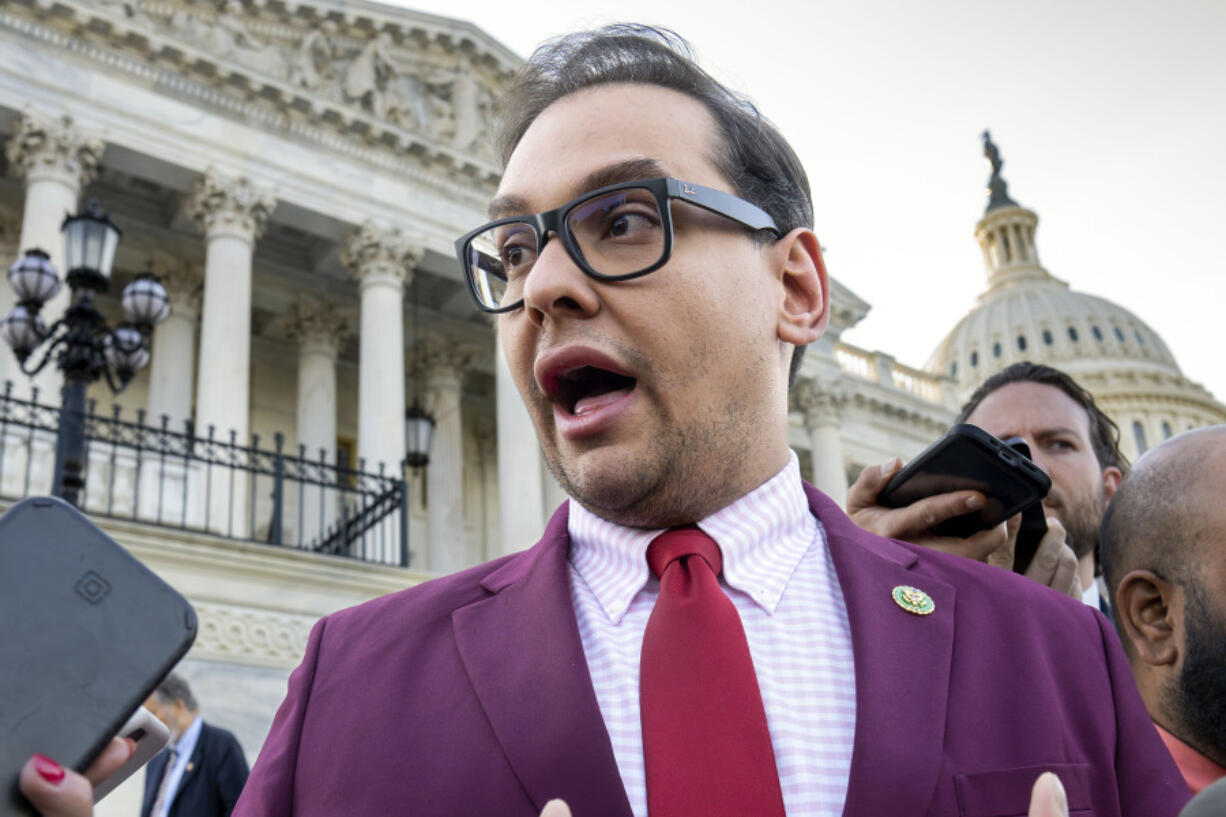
1050 552
977 547
863 492
1002 556
914 520
556 808
1065 579
116 753
55 791
1047 798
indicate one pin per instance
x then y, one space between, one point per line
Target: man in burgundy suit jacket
659 400
657 382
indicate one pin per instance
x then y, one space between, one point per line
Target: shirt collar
187 742
1198 771
762 536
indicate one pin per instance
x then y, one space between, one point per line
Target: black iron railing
209 484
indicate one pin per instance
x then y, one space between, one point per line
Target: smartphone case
969 458
88 633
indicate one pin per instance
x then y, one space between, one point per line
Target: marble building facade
296 173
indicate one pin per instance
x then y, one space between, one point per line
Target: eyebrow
628 170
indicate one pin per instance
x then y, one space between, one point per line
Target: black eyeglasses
614 233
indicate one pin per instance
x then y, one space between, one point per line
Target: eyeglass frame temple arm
724 204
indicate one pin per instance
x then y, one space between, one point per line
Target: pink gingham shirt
779 574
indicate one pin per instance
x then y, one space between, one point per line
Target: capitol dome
1026 313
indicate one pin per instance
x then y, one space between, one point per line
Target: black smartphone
969 458
88 633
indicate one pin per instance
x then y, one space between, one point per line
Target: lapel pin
190 766
913 600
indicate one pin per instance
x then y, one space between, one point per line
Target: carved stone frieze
244 635
373 253
299 90
437 84
220 204
55 147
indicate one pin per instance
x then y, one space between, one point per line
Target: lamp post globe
34 279
145 302
125 351
90 241
23 329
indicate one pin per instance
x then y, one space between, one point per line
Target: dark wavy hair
752 154
1104 433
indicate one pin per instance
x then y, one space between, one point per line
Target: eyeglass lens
616 234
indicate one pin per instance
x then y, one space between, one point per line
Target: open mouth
587 388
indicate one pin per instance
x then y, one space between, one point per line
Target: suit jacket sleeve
270 788
231 775
1149 782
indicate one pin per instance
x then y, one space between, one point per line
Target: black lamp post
418 428
418 423
82 344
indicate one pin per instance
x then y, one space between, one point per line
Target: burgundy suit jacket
470 695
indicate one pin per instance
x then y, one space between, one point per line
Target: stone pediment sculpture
395 79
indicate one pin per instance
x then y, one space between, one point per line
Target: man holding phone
698 631
1069 438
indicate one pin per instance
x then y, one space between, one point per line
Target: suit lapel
522 652
902 667
153 778
191 769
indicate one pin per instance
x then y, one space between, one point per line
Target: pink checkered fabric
779 574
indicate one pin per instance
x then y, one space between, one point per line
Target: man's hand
1046 800
1054 564
59 792
914 522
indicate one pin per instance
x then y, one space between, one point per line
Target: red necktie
705 742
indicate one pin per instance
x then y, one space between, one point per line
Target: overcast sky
1111 118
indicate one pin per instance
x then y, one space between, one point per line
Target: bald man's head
1164 556
1168 503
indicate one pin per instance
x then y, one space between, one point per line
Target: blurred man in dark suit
202 771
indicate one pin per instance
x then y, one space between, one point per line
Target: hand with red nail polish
59 792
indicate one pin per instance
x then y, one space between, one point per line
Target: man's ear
1144 610
805 308
1111 481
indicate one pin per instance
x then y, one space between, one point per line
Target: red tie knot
676 543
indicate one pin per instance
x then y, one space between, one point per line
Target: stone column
520 471
172 367
319 327
821 403
487 448
12 476
443 364
10 251
56 159
382 261
232 213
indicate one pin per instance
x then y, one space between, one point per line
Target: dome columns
1006 236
